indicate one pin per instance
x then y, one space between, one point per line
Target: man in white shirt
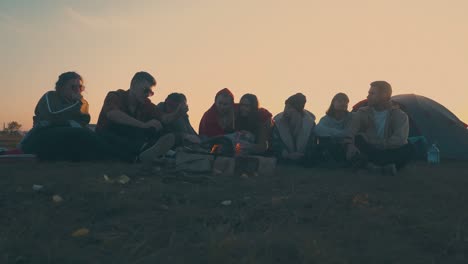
381 131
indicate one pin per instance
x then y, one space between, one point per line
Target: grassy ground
9 141
295 216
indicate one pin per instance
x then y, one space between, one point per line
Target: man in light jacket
381 131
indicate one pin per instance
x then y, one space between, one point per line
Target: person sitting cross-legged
380 131
60 130
333 131
293 130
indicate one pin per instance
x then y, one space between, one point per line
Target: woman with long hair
337 121
256 120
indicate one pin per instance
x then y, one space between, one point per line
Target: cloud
104 22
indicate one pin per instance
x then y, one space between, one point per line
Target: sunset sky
270 48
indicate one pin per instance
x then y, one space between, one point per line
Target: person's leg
399 156
364 147
156 150
137 143
338 154
63 143
121 147
29 144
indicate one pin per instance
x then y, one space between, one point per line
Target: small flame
214 149
238 148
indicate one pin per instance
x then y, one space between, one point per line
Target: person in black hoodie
60 129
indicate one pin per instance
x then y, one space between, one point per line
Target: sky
270 48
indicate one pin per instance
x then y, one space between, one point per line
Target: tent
435 122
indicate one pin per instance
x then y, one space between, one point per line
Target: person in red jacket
220 118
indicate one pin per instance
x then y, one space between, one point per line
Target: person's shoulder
116 95
161 106
278 117
325 118
362 112
309 115
264 114
210 111
364 109
397 112
47 98
148 103
50 94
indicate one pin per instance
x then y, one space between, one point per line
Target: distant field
9 141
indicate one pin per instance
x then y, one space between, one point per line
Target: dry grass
295 216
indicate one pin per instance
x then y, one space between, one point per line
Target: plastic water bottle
433 155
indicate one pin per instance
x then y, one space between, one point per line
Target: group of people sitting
131 128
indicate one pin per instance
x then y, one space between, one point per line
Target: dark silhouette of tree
13 128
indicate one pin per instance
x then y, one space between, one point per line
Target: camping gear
191 162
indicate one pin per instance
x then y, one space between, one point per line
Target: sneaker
389 169
161 147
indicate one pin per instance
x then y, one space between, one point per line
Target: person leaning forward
132 122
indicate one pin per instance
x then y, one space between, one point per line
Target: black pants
399 156
66 143
128 142
326 152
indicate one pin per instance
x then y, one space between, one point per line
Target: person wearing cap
219 120
293 130
181 127
256 120
60 123
129 120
